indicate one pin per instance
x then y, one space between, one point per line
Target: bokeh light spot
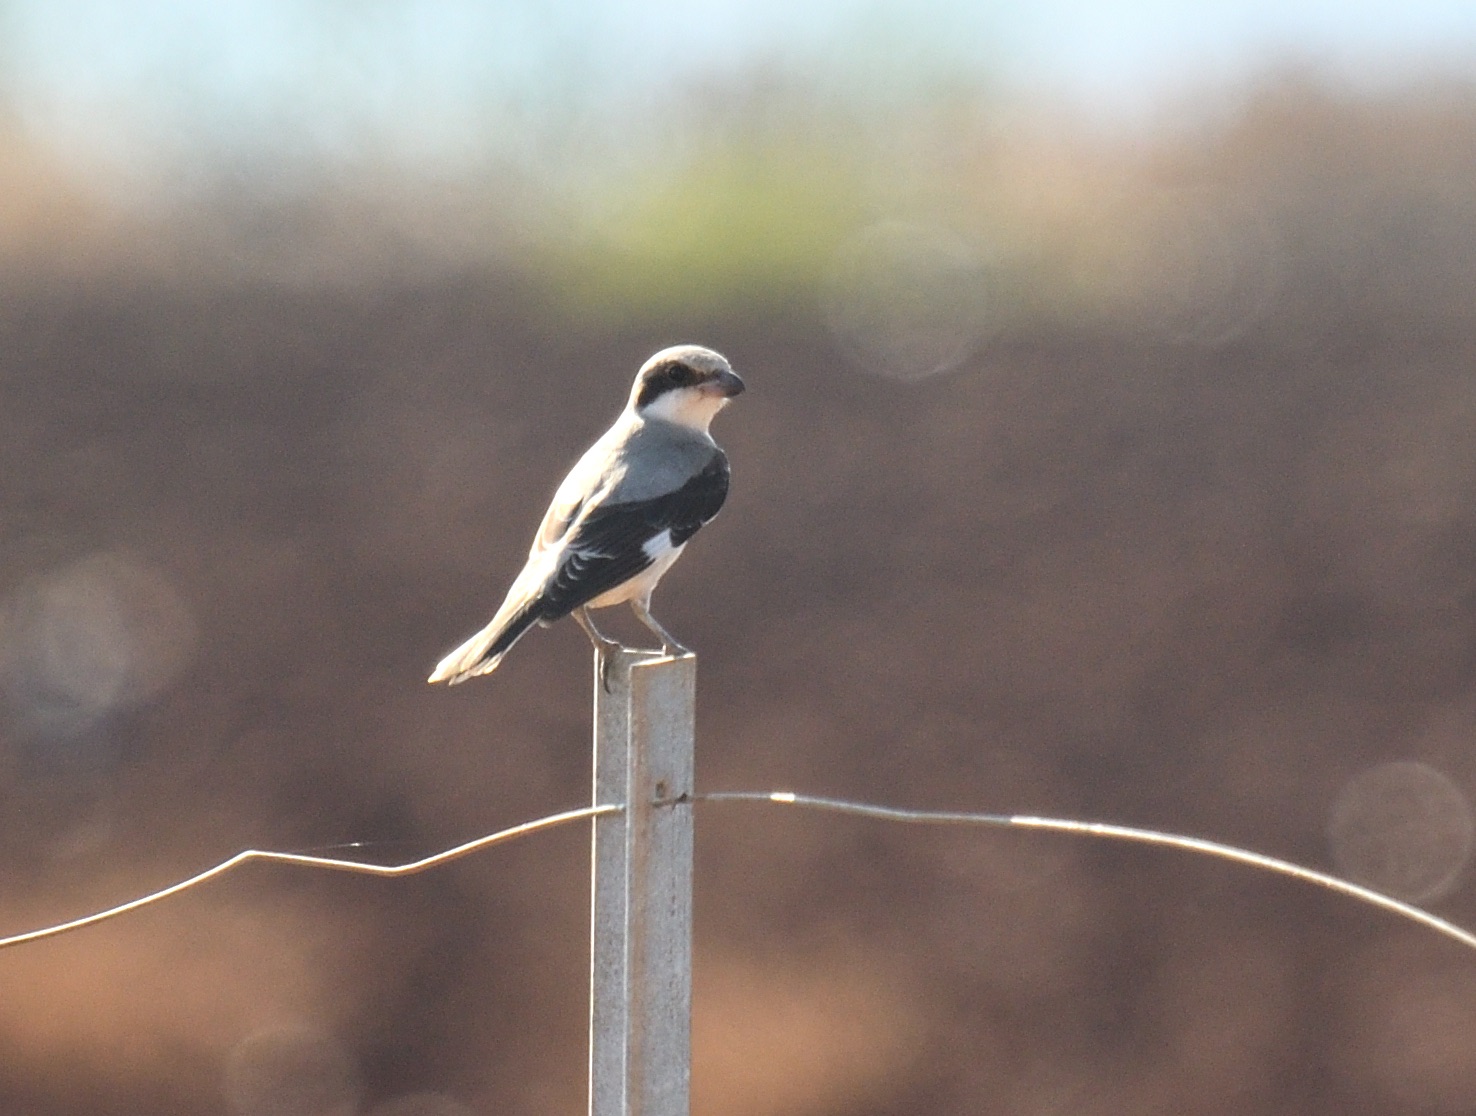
291 1071
1404 829
1188 267
907 301
102 634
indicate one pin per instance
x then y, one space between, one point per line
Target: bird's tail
482 653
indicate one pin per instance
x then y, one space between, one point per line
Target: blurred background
1109 452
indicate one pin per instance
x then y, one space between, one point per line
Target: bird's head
685 384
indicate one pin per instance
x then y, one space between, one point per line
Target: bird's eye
665 377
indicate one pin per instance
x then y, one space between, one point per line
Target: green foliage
731 225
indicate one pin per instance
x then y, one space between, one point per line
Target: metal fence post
640 1006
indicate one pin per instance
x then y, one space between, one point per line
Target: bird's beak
728 384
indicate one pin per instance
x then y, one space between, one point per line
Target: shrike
622 515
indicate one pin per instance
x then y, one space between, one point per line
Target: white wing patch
662 554
658 546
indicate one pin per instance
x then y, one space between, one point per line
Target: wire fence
875 811
642 876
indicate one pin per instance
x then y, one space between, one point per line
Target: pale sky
423 72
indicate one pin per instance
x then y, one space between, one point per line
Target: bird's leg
603 645
669 646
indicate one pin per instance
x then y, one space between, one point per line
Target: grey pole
640 1004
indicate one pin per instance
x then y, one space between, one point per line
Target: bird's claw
605 652
604 646
671 649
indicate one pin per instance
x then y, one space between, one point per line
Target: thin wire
307 861
788 798
1111 832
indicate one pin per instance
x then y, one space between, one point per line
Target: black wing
608 548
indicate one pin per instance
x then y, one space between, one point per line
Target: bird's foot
669 646
606 651
604 646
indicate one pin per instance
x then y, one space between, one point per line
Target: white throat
690 407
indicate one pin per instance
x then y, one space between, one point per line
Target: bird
622 516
